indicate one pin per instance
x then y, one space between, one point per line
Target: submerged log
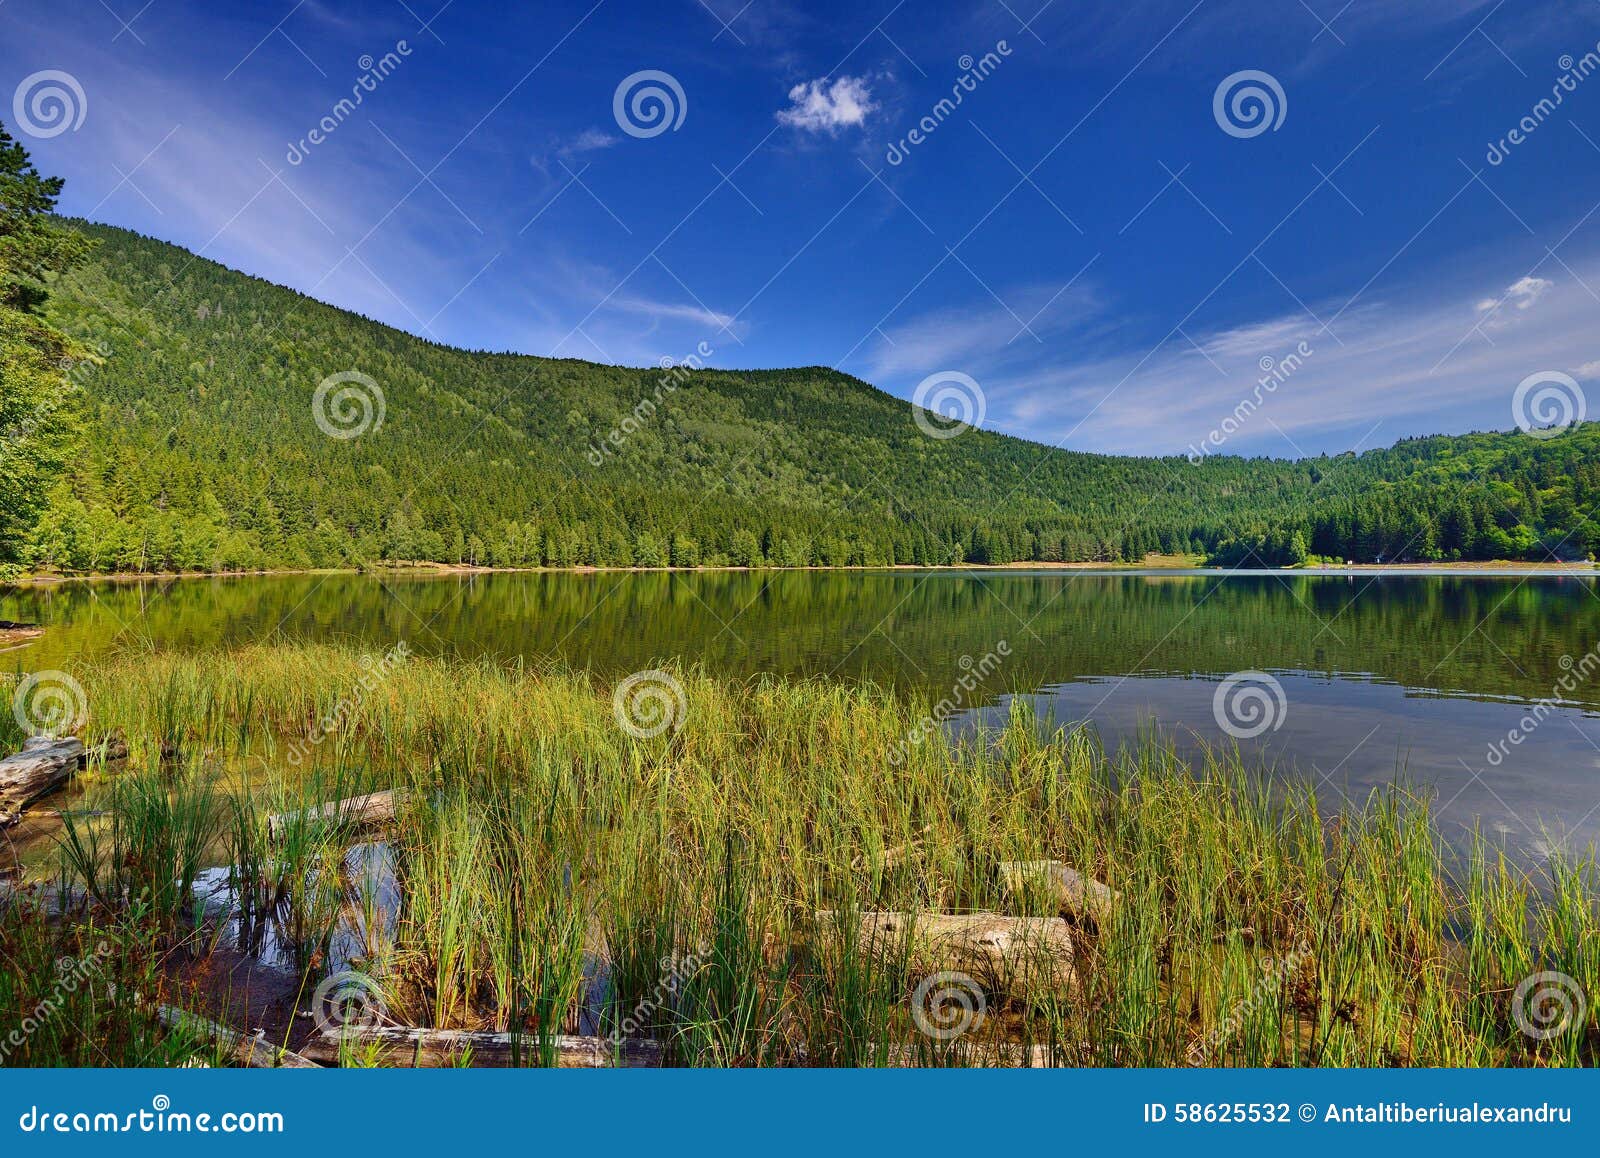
1074 894
251 1052
10 632
1013 954
43 765
356 813
406 1046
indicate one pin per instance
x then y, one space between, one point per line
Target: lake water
1363 678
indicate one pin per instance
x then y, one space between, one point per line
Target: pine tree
36 430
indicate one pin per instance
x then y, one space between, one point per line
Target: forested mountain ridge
199 450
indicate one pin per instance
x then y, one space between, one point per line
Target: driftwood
254 1053
43 765
404 1046
1017 954
357 813
1074 894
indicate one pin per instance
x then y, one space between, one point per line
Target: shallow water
1372 675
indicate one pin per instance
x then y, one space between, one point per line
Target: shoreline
1127 884
1482 567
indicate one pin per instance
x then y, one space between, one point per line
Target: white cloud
818 107
1404 367
961 338
587 142
1521 294
672 311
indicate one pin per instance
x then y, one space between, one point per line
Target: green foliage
35 428
202 453
1251 924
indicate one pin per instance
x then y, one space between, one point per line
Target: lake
1477 687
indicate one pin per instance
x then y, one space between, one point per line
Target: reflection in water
370 906
1383 673
1351 736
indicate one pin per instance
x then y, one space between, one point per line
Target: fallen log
1012 954
11 632
356 813
251 1052
407 1046
44 765
1074 894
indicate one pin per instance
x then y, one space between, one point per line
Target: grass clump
557 872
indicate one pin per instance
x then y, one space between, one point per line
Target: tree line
158 415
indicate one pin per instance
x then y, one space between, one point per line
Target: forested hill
198 448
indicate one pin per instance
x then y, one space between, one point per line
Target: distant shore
1152 563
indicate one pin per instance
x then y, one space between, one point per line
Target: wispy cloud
816 106
1520 294
1392 370
589 141
672 311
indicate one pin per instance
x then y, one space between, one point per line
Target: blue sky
1081 236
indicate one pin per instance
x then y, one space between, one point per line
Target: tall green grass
545 846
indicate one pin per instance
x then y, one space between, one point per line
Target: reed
557 873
